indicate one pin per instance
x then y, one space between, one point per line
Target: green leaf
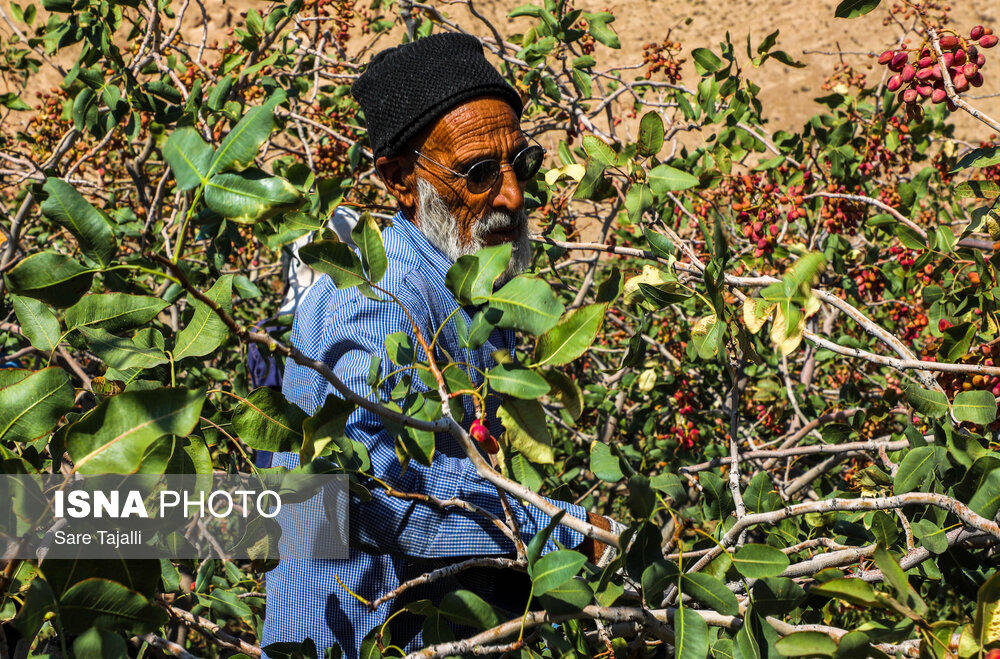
533 11
217 97
266 421
660 243
328 425
597 25
225 603
189 157
664 295
99 643
85 109
567 598
855 8
710 592
518 381
978 406
776 596
987 599
909 237
471 278
399 346
566 391
604 463
806 644
892 571
758 494
239 148
368 238
555 569
977 189
108 605
528 304
755 561
435 630
933 404
650 138
914 470
982 157
571 337
142 575
637 201
335 259
38 602
206 331
122 353
525 429
598 149
67 207
113 437
664 178
38 323
848 589
708 336
806 270
537 543
985 500
468 609
690 634
705 61
33 406
50 277
114 312
250 196
657 577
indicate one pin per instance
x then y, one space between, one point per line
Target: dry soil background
809 32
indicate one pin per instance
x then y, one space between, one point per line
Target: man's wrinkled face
454 219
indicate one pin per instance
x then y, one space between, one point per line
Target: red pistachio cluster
684 431
920 75
663 57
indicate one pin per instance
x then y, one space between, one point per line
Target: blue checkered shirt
391 539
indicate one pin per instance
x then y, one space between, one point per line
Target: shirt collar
418 248
414 241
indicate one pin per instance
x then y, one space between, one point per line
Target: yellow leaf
755 313
573 171
650 275
647 380
812 305
993 224
991 626
786 344
703 325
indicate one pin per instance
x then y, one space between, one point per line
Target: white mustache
499 221
440 228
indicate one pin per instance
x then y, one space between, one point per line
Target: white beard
440 227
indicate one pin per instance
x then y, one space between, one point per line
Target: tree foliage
771 355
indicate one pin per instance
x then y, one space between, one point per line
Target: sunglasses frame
500 167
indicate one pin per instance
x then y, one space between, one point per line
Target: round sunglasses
482 175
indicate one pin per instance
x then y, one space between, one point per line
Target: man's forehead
480 122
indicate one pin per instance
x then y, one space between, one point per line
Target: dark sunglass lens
483 174
527 163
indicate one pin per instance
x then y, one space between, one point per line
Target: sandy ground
809 33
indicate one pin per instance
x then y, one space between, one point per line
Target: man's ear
400 179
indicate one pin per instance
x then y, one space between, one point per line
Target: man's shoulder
329 314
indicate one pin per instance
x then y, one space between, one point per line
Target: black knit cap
408 87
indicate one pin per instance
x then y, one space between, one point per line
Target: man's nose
509 195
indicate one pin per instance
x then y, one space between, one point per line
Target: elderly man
444 127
